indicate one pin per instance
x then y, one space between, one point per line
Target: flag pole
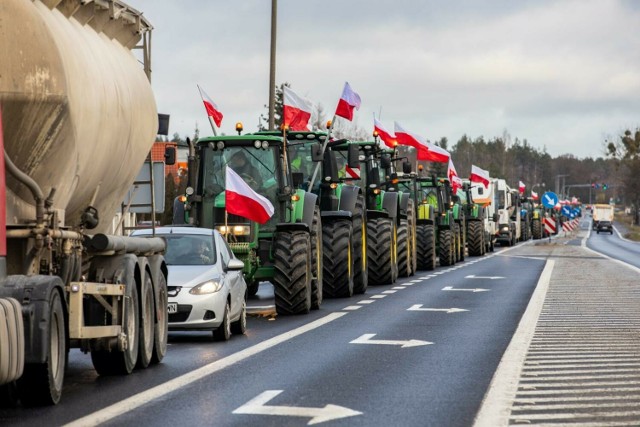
213 127
324 146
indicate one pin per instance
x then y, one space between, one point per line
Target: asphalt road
354 353
615 246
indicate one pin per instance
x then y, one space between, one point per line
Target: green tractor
459 227
527 212
342 208
287 249
537 227
435 208
476 236
382 213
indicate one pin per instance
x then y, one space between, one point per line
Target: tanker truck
78 118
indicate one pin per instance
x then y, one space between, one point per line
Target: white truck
77 120
601 212
485 197
508 209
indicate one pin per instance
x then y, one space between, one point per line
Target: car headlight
505 229
208 287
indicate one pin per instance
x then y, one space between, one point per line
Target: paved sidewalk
575 359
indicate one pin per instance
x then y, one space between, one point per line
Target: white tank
78 110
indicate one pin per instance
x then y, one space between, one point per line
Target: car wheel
239 327
223 332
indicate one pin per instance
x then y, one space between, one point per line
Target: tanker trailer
78 117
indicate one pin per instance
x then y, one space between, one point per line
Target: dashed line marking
398 287
389 292
366 301
352 307
378 296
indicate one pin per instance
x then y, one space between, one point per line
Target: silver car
207 290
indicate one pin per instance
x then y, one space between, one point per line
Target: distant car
604 226
206 288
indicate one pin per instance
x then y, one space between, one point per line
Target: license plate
172 307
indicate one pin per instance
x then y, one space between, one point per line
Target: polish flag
425 150
479 175
348 101
241 200
297 110
212 109
534 195
456 182
388 138
521 187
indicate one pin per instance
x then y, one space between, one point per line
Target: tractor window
255 166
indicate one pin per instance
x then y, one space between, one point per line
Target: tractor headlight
208 287
504 229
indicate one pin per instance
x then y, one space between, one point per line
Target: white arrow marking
418 307
318 415
473 276
548 198
450 288
366 339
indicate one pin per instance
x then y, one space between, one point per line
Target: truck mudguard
34 293
310 201
334 215
390 204
403 202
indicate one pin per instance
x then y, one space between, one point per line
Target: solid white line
496 405
173 385
352 307
632 267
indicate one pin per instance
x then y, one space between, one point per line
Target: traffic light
604 186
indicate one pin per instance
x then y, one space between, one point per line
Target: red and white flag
348 101
534 195
387 137
212 109
479 175
425 150
241 200
456 182
521 187
296 110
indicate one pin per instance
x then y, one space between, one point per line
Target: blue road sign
549 199
566 211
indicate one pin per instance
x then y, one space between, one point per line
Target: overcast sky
565 74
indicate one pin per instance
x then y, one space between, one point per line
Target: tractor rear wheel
404 255
316 260
380 246
475 238
292 272
337 262
360 273
445 252
426 247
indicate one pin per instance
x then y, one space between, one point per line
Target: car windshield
189 249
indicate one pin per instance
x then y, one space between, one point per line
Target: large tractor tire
456 242
536 227
116 362
445 248
411 224
337 261
475 238
161 329
426 247
404 248
41 383
463 240
316 260
380 247
360 273
292 272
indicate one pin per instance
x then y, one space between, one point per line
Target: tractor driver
243 167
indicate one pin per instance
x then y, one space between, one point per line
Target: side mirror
316 153
297 179
385 161
235 265
170 156
375 176
480 189
495 218
406 167
353 156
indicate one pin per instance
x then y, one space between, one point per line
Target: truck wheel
292 272
426 247
445 254
252 288
411 223
536 229
147 322
360 273
337 261
41 383
379 251
223 332
12 349
116 362
463 240
239 327
316 260
404 256
161 329
475 238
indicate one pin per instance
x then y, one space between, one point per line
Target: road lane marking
366 339
398 287
171 386
496 405
379 296
389 292
366 301
451 288
352 307
418 307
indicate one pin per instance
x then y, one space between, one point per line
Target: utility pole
272 65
